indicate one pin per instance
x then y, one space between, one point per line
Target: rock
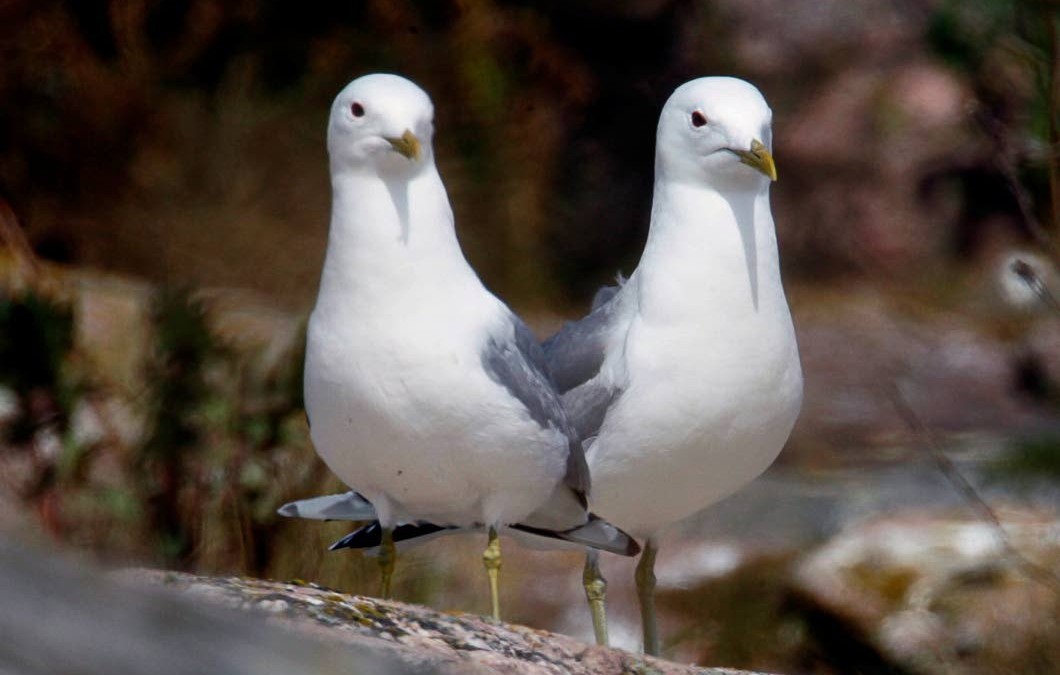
61 617
58 616
938 594
456 642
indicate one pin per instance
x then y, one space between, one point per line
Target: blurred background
164 203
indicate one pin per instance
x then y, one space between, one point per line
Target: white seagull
684 382
424 392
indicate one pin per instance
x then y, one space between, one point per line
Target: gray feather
587 406
345 506
605 293
577 351
519 365
575 355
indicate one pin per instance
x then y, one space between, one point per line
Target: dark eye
698 119
357 109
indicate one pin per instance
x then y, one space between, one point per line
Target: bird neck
389 233
710 254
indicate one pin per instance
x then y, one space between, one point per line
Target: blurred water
792 507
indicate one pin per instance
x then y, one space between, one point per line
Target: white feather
401 408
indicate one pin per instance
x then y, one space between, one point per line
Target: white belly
687 433
412 422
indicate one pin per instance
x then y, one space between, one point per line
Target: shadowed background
184 141
165 200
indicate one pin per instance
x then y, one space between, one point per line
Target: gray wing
518 364
575 355
576 352
345 506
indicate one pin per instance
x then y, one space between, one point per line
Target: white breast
402 411
691 429
399 404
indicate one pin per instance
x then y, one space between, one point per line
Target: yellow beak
408 145
758 158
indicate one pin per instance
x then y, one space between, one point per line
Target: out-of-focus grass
36 335
1034 459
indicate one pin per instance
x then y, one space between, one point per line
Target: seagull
425 393
684 381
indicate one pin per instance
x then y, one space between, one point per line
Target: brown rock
939 594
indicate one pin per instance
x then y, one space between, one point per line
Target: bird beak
408 145
758 158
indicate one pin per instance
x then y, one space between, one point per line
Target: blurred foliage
217 433
182 140
1009 50
36 335
188 473
1031 460
162 137
37 368
169 458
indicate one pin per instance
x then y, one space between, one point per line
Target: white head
381 123
716 131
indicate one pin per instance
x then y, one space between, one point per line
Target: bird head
382 123
718 131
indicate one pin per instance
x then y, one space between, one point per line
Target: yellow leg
595 592
491 558
645 578
387 556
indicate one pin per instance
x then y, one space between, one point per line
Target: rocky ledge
423 639
60 615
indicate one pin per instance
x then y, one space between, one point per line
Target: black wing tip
365 537
616 541
371 535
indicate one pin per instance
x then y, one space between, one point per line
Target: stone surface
60 615
447 642
939 594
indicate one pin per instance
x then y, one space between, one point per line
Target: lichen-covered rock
60 616
445 642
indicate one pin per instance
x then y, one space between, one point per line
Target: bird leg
491 558
645 578
595 591
387 556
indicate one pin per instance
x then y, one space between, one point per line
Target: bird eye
698 119
357 109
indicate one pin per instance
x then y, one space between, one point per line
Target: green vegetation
1030 460
1010 51
36 336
